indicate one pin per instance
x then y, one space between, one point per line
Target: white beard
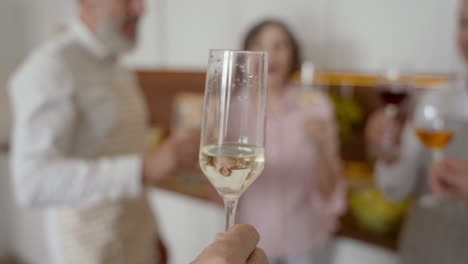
108 32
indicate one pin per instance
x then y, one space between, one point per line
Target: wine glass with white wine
232 151
435 123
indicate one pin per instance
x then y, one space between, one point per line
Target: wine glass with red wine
393 97
393 89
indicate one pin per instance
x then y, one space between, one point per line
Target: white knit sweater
79 132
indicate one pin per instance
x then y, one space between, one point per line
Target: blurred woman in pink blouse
296 202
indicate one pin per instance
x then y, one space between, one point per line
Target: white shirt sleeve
44 170
397 181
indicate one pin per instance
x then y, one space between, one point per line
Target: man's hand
178 152
449 178
236 246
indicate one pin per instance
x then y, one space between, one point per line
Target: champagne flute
232 151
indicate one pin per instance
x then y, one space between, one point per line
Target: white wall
44 18
307 19
196 26
20 230
151 50
361 35
4 214
187 225
367 34
13 41
337 34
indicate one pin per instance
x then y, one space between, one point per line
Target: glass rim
239 51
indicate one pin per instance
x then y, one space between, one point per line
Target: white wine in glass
232 151
231 168
434 139
434 128
435 123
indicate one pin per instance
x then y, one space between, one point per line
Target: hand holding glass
435 124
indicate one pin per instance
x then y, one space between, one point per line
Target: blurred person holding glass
78 142
436 229
296 202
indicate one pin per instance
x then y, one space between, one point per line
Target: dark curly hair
258 28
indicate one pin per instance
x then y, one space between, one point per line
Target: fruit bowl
373 212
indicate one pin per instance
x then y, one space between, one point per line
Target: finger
437 174
454 167
441 184
448 190
451 172
244 233
189 152
243 238
435 182
181 134
189 146
452 180
234 246
258 256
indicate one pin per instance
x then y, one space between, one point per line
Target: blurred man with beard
78 141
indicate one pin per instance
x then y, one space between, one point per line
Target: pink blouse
291 215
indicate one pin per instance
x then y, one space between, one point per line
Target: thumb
258 256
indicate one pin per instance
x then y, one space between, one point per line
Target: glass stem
437 154
431 199
231 207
